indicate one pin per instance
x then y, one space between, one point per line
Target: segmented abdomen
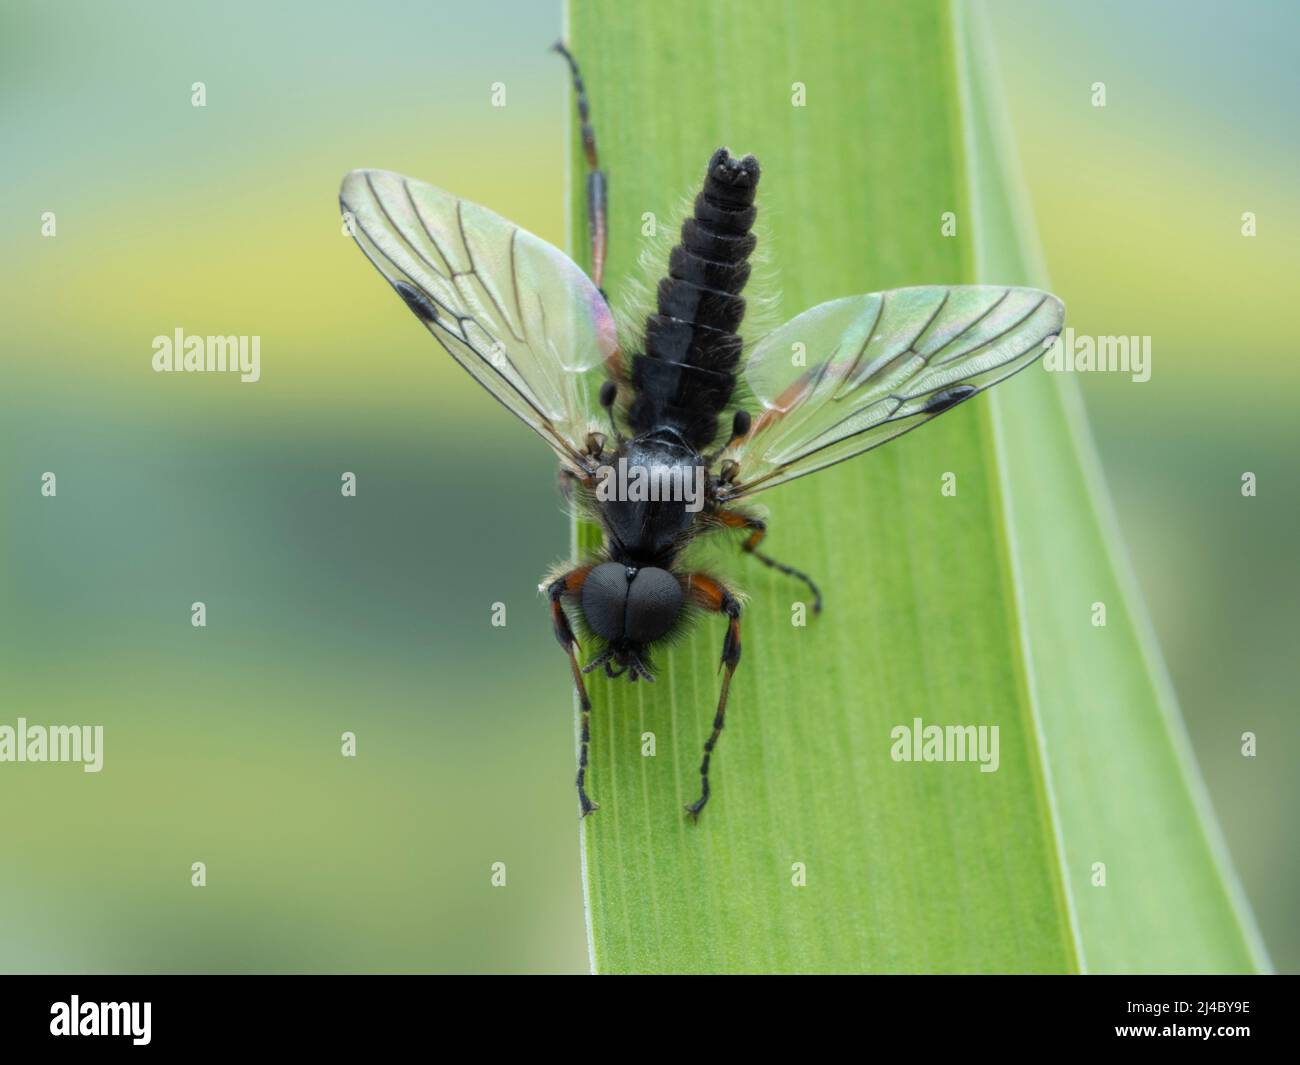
686 375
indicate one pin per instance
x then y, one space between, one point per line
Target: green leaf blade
1127 792
909 867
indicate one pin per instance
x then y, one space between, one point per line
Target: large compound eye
653 603
604 600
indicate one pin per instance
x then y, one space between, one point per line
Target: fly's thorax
650 494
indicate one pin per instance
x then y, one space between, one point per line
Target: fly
536 332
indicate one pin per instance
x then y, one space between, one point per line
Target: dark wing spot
949 398
417 301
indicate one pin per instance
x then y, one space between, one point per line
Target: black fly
537 333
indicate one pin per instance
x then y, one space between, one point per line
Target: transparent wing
850 375
514 311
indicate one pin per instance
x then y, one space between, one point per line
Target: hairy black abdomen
686 376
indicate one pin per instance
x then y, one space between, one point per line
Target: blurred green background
373 614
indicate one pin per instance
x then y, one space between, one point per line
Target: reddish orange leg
711 595
571 584
735 519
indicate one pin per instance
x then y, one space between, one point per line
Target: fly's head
629 607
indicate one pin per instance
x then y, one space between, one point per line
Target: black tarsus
564 634
730 659
597 183
758 530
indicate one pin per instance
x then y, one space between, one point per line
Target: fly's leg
570 584
597 221
570 480
735 519
597 186
711 595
